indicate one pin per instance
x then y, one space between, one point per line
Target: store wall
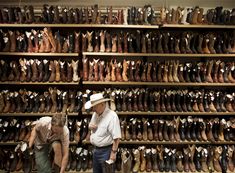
123 3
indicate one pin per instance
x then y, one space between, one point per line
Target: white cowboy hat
95 99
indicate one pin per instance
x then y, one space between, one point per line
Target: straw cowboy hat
95 99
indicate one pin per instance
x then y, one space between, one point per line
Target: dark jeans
42 158
99 156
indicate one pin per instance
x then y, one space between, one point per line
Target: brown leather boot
96 69
165 72
209 71
101 70
108 72
126 160
142 158
149 70
145 129
135 66
204 155
22 69
69 72
157 101
113 65
63 74
12 37
228 103
89 38
118 72
191 158
77 41
85 63
108 42
34 67
57 71
195 15
230 157
53 95
53 71
125 65
221 72
216 160
114 43
30 42
175 71
216 71
148 156
84 42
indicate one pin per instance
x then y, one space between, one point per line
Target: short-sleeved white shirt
108 128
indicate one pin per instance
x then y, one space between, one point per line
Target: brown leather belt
103 147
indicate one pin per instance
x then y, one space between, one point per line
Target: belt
103 147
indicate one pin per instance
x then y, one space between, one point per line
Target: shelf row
147 143
117 26
188 84
115 54
129 113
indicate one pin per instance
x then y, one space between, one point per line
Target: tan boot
75 70
102 39
175 71
85 63
118 72
114 43
209 71
136 166
191 158
165 72
126 161
108 75
125 65
53 71
230 158
30 43
53 94
91 71
51 38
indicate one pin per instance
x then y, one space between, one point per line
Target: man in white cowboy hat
105 131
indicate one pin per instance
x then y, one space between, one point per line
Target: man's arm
114 149
32 137
64 159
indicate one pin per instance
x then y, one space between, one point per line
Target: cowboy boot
108 72
102 40
53 71
75 70
135 66
108 42
136 166
96 69
89 38
216 160
114 43
125 65
85 63
118 72
101 70
113 65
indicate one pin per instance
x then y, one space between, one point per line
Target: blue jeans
99 156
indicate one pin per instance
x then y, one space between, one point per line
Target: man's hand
112 156
92 127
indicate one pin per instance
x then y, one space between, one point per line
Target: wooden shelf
79 26
155 54
38 54
33 114
172 113
148 143
169 142
158 83
40 83
127 113
197 26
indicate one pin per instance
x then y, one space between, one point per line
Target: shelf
38 54
173 84
155 54
172 113
80 26
33 114
197 26
126 113
148 143
40 83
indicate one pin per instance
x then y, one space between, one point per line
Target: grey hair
58 120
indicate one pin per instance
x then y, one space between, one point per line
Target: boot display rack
84 83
